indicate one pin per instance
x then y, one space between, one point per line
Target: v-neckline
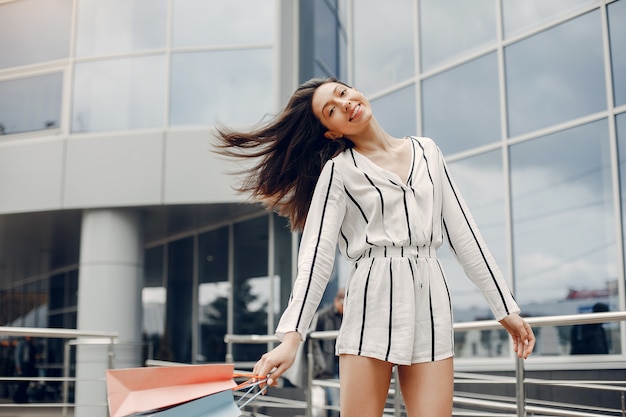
389 172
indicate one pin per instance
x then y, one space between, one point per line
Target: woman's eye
342 92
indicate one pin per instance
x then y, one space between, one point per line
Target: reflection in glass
253 290
232 87
383 57
328 36
179 303
223 22
396 112
563 224
213 295
617 38
120 26
525 15
443 22
119 94
481 182
33 31
556 75
29 104
461 105
282 262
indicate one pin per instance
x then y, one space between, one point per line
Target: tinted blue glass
620 122
384 43
617 37
233 87
556 75
119 26
461 106
223 22
449 28
119 94
525 15
396 112
326 37
563 218
34 31
32 103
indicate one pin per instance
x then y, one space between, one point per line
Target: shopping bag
155 389
221 404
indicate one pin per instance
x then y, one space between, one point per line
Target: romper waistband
400 251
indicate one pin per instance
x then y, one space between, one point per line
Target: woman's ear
332 135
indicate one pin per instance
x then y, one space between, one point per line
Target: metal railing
519 406
72 338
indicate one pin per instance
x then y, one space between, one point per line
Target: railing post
309 378
397 398
66 376
520 388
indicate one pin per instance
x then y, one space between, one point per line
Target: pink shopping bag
192 390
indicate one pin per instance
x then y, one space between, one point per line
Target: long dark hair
291 149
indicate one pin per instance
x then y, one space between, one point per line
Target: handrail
520 407
71 336
54 333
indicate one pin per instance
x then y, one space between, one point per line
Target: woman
327 164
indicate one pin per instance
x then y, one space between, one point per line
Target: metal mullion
615 174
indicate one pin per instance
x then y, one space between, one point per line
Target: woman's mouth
356 111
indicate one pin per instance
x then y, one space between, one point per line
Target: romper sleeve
316 255
470 249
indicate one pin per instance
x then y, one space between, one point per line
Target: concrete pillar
109 299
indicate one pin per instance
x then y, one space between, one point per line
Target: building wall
110 104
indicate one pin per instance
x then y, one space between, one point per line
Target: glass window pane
326 34
461 106
481 181
119 26
525 15
282 261
383 57
232 87
396 112
617 35
213 295
556 75
29 104
452 27
119 94
223 22
563 223
33 31
252 287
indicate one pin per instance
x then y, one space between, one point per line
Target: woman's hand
275 362
522 334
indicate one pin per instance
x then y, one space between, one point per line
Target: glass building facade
110 105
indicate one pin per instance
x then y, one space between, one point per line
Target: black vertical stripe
367 282
390 309
317 244
432 323
406 213
480 249
380 194
409 180
431 181
449 299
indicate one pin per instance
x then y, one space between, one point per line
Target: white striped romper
397 306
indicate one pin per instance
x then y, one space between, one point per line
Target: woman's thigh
364 385
428 388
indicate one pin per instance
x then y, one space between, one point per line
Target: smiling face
344 111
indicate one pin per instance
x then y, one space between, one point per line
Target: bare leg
428 388
364 386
